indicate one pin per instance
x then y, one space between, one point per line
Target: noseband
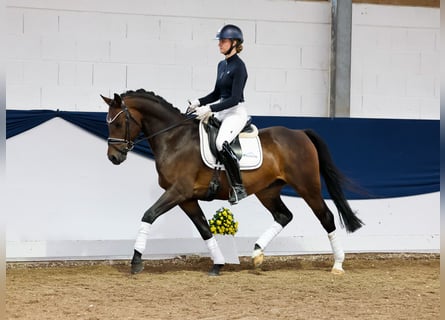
113 141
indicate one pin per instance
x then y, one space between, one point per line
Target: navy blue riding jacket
229 87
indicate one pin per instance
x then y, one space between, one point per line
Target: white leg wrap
339 254
264 240
141 239
215 251
256 253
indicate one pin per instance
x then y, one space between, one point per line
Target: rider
230 109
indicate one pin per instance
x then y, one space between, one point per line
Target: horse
298 158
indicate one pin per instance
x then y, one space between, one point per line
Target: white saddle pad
252 155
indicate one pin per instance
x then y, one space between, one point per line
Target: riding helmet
230 31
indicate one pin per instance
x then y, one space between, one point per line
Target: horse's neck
167 142
153 123
160 123
155 116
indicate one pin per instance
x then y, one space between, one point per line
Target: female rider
229 108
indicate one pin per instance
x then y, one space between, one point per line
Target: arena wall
64 200
64 53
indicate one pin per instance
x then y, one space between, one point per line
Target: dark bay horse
290 157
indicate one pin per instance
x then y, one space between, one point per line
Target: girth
212 128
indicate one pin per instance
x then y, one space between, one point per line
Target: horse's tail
335 181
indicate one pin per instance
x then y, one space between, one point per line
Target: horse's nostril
112 158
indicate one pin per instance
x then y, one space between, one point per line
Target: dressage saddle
212 127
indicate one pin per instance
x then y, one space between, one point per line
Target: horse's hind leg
315 201
270 198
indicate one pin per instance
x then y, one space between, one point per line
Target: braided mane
142 93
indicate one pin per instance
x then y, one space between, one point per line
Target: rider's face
224 45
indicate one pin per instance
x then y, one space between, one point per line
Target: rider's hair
239 46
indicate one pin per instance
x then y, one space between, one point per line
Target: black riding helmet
230 31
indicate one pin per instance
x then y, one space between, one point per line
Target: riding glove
193 105
203 112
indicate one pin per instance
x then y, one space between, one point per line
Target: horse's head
123 129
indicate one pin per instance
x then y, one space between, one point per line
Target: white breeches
233 121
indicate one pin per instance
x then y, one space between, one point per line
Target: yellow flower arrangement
223 222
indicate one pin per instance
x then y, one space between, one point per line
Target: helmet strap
230 49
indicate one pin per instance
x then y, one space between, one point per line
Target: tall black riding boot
230 162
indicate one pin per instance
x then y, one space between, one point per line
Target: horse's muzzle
117 157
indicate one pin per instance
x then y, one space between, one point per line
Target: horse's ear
117 99
107 100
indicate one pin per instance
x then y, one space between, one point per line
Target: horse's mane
142 93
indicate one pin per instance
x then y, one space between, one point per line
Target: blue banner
386 157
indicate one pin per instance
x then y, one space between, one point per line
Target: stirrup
236 194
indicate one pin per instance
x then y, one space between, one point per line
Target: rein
130 144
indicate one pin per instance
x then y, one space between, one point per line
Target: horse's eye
117 125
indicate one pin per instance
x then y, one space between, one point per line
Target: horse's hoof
258 260
215 270
137 268
338 272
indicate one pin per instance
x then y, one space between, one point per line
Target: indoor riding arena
360 78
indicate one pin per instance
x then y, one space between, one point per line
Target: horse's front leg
194 212
168 200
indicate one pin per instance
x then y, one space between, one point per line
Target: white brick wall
395 62
40 22
67 53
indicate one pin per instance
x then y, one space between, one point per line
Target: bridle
129 145
113 141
